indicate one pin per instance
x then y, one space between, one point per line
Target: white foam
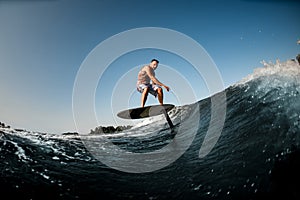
151 120
43 140
289 69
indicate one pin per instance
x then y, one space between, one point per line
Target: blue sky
44 43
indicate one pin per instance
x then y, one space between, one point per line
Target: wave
256 155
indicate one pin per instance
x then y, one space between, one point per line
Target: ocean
255 154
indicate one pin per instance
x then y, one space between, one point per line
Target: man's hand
167 88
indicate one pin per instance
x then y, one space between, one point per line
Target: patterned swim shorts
153 88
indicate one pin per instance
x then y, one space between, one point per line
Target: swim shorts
153 88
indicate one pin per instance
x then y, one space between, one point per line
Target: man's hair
155 60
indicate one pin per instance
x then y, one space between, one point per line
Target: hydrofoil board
148 111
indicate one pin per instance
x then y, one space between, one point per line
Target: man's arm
150 73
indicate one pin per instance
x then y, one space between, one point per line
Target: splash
289 69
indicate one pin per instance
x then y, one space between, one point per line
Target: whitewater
257 155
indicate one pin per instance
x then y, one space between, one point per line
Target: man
144 86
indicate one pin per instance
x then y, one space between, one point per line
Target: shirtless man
144 85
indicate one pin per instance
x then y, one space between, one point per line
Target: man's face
154 65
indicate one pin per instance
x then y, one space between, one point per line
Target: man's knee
146 90
159 91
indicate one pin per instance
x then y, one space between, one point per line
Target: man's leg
160 96
144 96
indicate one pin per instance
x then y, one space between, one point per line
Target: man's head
154 63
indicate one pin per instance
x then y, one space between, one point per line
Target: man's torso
143 77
